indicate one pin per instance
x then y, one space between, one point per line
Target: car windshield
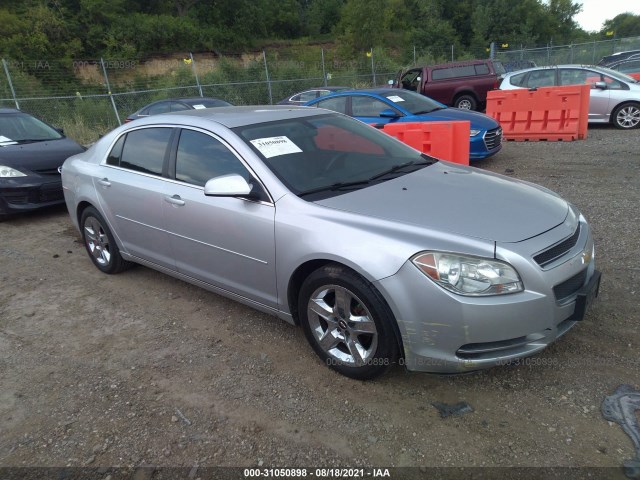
19 127
328 155
617 75
413 102
209 103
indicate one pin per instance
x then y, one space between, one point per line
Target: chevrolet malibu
381 254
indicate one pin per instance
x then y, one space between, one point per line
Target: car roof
10 110
232 117
551 67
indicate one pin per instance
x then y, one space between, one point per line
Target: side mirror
231 185
601 85
388 113
60 131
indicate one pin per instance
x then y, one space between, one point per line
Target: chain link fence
89 97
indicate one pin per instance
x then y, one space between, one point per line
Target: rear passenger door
131 188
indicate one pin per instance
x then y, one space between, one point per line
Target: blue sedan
382 105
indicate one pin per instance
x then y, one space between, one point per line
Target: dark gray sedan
382 254
31 152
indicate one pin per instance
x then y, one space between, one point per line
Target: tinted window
144 150
367 107
454 72
116 152
201 157
482 69
518 80
162 107
541 78
338 104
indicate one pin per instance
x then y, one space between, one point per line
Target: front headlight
7 172
474 132
466 275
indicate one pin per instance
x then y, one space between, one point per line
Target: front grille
50 193
501 348
17 197
566 289
493 138
545 258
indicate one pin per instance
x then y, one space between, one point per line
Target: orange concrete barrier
547 113
444 140
634 75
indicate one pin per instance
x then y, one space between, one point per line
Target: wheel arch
305 269
621 104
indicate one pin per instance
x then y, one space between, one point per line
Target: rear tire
100 244
465 102
347 322
626 116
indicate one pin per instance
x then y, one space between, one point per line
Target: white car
615 97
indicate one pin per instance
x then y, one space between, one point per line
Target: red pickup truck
458 84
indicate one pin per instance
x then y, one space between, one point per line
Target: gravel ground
142 369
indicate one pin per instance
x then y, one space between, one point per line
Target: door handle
104 182
175 200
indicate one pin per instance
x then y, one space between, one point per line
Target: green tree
623 25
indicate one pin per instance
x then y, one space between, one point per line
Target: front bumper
447 333
24 194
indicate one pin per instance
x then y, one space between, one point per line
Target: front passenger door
224 241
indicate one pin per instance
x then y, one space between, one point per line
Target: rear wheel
347 322
100 244
626 116
466 102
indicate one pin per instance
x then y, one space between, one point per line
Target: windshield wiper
428 111
397 168
334 186
31 140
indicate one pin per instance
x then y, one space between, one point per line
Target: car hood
477 119
460 200
37 156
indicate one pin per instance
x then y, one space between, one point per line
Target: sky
595 12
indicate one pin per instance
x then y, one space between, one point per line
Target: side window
295 98
162 107
201 157
116 152
411 80
367 106
441 74
541 78
144 150
337 104
572 76
463 71
518 80
612 83
307 96
482 69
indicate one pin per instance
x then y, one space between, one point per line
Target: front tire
466 102
100 244
626 116
347 322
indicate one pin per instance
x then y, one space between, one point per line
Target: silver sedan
614 96
382 254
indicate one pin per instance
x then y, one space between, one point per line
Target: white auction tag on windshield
6 141
274 146
199 107
395 98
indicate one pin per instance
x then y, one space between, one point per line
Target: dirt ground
142 369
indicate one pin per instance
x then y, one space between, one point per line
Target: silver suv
615 97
